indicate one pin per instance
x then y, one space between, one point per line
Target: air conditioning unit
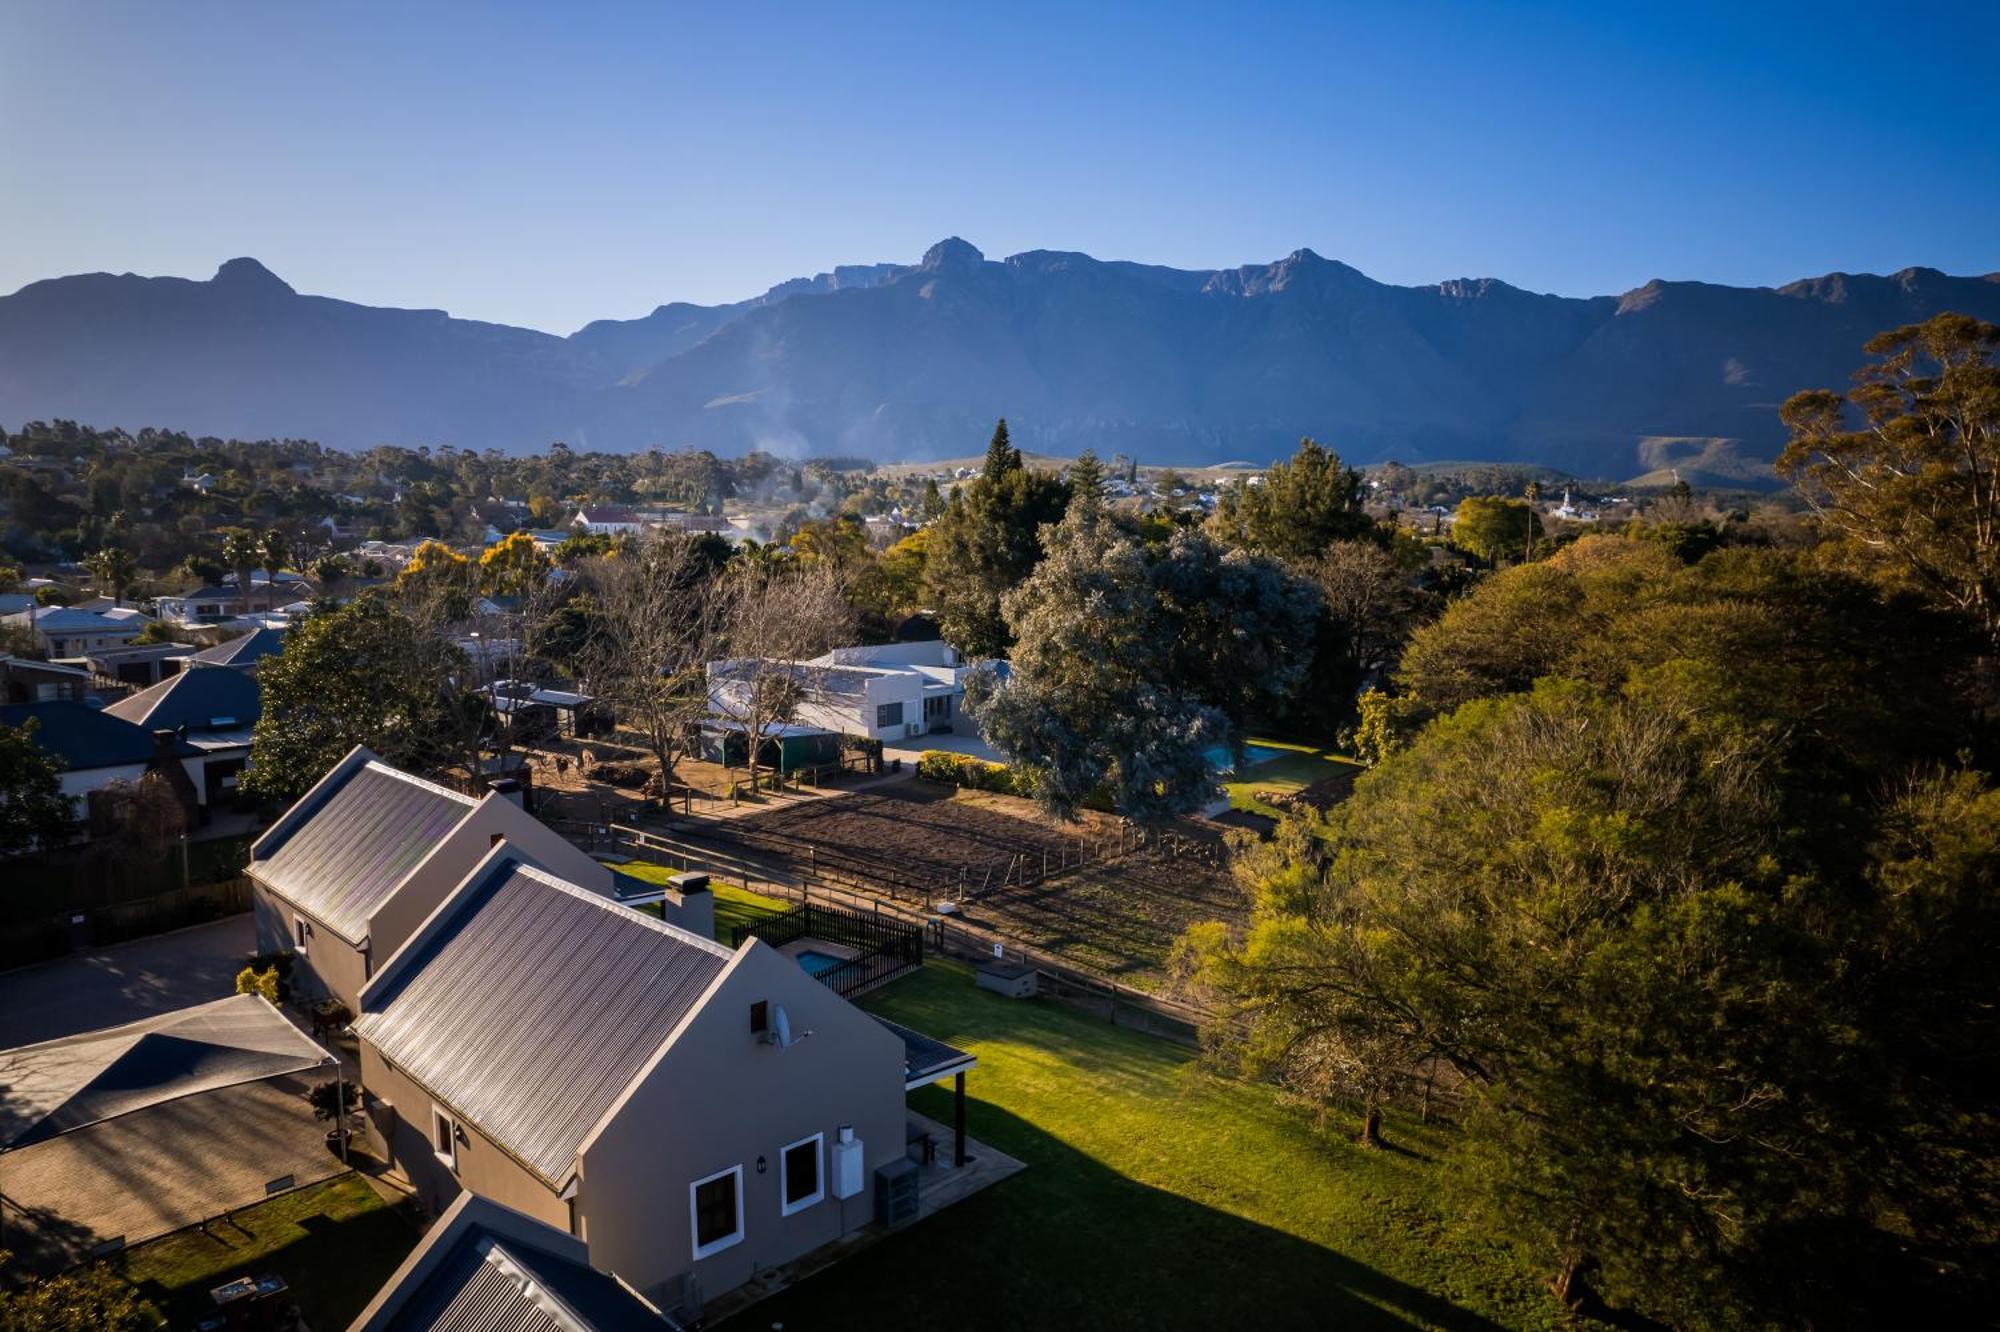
896 1202
914 728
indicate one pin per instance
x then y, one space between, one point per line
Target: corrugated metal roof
492 1284
534 1005
244 650
195 699
82 737
343 858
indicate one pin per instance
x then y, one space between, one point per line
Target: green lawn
733 906
334 1244
1156 1196
1298 768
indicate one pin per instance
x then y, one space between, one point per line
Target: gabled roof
351 842
70 620
60 1086
81 737
487 1268
245 650
200 700
528 1005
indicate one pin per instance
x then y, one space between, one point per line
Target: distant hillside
892 361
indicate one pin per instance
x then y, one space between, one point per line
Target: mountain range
915 361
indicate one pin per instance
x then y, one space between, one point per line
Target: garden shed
786 747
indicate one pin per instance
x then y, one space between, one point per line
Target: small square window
444 1137
802 1184
715 1211
888 714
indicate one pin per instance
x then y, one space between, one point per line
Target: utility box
848 1172
896 1193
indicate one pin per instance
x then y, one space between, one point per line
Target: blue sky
540 166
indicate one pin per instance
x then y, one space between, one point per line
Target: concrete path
125 982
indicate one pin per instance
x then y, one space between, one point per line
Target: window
888 714
444 1137
301 932
715 1209
801 1184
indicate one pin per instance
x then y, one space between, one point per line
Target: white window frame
694 1214
301 934
818 1141
442 1118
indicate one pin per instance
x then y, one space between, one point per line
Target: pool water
1218 757
816 963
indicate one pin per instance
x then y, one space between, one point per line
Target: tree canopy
34 812
1303 505
988 541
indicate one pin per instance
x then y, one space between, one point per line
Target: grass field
1300 766
333 1243
1156 1196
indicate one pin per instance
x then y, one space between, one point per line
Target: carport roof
63 1085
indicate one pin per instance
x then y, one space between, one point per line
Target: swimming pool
1218 757
816 963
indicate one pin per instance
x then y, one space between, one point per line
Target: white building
66 632
892 691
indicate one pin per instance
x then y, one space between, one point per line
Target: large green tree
1130 662
1687 905
34 812
1301 506
986 543
364 674
1494 528
1916 479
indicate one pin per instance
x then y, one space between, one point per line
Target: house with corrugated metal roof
488 1268
350 871
693 1114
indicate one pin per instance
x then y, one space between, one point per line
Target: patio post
958 1157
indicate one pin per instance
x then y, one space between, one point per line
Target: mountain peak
951 253
249 275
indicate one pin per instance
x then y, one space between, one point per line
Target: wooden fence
1067 980
53 935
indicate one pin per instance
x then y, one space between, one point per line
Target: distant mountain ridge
914 361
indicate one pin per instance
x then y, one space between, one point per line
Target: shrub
252 981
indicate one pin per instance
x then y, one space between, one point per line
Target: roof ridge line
437 788
540 875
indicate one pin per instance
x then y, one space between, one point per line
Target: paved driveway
124 982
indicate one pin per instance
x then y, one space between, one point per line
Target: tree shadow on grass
1072 1243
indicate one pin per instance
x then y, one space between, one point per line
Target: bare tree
651 628
773 619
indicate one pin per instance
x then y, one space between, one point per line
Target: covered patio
926 1061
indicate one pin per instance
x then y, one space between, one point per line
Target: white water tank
848 1178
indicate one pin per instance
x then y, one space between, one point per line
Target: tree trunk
1371 1128
1572 1286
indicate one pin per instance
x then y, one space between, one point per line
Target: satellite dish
783 1026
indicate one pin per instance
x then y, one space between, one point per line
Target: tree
1302 506
514 566
1918 484
34 812
241 552
274 551
113 568
1130 664
1694 933
770 621
649 630
90 1298
1490 528
364 674
332 573
986 543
